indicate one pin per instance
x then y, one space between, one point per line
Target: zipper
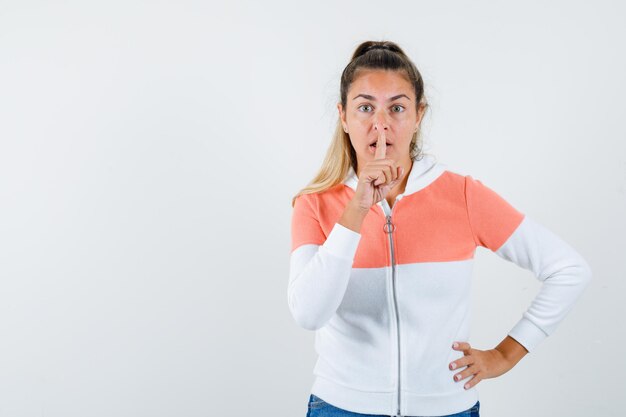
389 228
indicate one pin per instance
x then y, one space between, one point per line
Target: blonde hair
340 156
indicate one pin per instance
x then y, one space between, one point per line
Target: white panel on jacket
319 276
564 274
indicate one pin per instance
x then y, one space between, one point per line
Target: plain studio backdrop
150 150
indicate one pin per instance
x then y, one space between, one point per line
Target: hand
483 364
378 176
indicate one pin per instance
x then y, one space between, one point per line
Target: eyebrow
367 96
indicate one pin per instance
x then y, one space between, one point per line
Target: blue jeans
320 408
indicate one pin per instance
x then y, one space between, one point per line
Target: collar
423 172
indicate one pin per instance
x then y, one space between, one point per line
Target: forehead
380 84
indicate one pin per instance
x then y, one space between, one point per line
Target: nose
380 121
380 124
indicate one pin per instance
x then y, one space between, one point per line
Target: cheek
359 123
406 123
358 132
408 129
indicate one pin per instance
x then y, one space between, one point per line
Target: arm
511 350
517 238
563 272
320 266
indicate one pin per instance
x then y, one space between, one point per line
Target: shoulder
327 194
461 177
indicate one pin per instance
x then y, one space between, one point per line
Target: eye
364 105
402 107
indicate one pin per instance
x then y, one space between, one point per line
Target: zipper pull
389 227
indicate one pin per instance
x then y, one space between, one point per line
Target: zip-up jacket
387 303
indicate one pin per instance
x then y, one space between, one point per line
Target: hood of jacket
424 171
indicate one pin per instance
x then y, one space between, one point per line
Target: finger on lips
381 145
390 173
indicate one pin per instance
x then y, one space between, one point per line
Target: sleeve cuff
342 242
527 334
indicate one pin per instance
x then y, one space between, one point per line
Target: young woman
383 242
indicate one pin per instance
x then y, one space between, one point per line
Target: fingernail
455 345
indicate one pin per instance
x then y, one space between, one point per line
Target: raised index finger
381 145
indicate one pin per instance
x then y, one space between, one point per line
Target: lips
374 143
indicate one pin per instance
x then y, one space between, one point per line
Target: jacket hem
438 404
384 402
357 401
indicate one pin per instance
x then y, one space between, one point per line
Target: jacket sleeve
513 236
320 266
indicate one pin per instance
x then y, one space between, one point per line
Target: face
381 99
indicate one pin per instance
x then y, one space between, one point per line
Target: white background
149 151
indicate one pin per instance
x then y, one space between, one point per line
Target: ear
420 115
342 116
